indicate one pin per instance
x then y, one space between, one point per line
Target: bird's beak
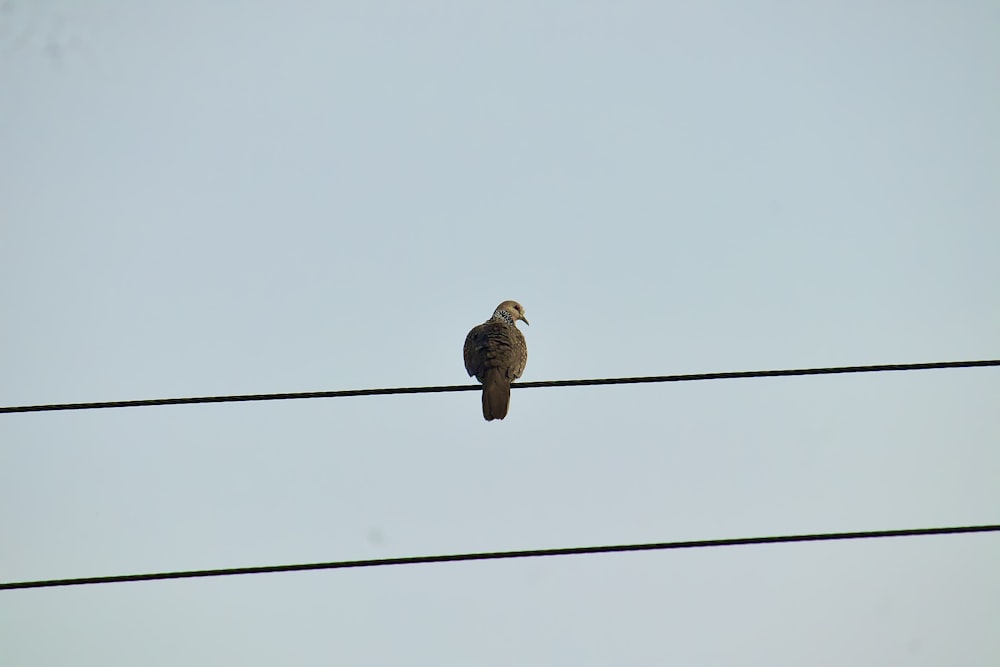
525 320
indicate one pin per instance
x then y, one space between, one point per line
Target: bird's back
495 344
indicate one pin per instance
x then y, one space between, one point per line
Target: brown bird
495 352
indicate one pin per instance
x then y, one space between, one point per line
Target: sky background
249 197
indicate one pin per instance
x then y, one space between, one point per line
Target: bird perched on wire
495 352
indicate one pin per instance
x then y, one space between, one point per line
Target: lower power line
501 555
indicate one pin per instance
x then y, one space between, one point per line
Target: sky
247 197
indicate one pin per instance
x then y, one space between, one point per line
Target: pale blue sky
242 197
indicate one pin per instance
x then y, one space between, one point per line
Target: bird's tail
496 395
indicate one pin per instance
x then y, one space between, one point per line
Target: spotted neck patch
504 316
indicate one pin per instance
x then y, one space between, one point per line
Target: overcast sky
202 198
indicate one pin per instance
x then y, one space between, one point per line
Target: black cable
518 385
498 555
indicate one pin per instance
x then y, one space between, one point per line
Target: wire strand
519 385
500 555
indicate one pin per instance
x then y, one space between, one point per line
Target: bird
495 352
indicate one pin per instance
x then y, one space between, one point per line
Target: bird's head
511 309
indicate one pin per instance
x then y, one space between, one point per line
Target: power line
520 385
500 555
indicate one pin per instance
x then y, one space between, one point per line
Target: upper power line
833 370
499 555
